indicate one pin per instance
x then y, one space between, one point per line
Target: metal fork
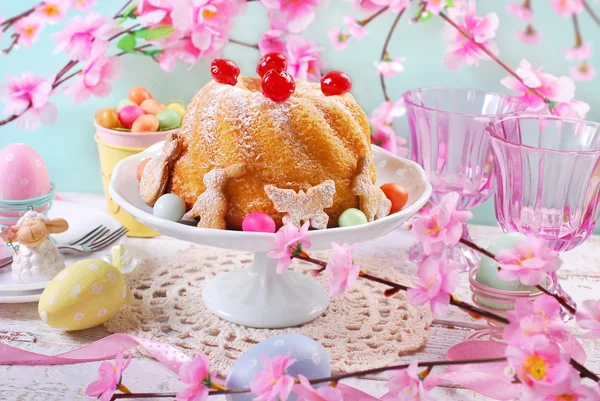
95 240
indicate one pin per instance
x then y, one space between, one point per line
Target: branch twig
384 52
239 42
367 20
591 12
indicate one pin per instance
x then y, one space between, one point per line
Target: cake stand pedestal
256 296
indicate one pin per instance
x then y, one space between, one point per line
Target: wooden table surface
20 326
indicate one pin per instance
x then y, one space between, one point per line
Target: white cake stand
256 296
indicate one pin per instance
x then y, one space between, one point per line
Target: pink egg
128 114
258 222
152 106
23 173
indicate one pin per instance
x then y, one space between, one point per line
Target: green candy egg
125 102
352 217
487 273
168 119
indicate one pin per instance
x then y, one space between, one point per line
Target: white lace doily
360 330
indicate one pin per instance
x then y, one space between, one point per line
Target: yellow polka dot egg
83 295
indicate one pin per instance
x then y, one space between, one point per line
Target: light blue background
70 151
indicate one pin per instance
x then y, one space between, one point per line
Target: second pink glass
448 139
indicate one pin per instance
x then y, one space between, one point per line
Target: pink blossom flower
367 5
588 317
385 114
566 8
583 72
582 52
7 234
542 370
28 29
304 60
357 31
530 36
535 324
51 11
518 10
342 271
438 279
388 140
289 241
154 12
440 224
572 390
197 375
82 34
395 6
272 42
338 39
297 15
93 79
459 50
83 5
528 262
406 384
306 392
21 92
389 68
109 379
181 49
272 383
435 6
573 109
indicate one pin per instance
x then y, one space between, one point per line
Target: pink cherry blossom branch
384 52
578 40
11 21
118 14
131 28
366 21
420 13
332 379
12 45
591 12
491 55
239 42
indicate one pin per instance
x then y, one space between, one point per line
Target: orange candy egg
151 106
137 94
140 168
397 194
145 123
108 118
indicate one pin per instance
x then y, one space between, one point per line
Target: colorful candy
108 118
178 108
128 115
168 119
397 194
170 207
141 167
137 94
145 123
352 217
258 222
151 106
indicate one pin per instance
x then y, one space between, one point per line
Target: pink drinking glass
548 178
448 139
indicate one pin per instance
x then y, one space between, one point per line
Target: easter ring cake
238 149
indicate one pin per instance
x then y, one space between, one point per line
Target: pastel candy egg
311 361
397 194
145 123
151 106
83 295
23 173
352 217
487 272
178 107
137 94
108 118
168 119
170 207
124 102
128 115
259 222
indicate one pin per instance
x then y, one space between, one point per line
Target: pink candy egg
152 106
258 222
145 123
23 173
128 115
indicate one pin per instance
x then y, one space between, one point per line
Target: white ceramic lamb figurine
38 259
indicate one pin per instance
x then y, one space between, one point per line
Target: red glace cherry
271 61
224 71
335 83
278 85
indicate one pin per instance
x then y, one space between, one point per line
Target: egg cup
12 210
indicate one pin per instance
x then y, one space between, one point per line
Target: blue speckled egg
311 361
169 207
